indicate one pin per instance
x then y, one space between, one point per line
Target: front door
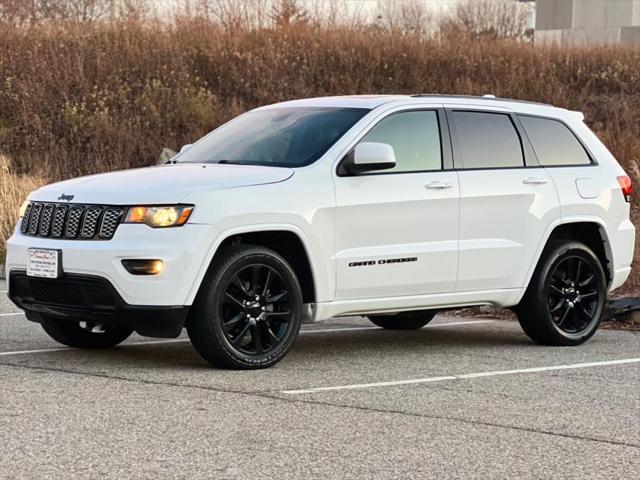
397 229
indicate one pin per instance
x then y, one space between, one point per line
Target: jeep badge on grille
66 197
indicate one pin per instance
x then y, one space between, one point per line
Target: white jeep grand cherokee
393 207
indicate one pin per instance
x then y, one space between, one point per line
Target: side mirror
370 156
185 147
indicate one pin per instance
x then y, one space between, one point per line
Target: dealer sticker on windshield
44 263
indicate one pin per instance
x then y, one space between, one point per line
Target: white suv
393 207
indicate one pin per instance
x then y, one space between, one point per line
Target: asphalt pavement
460 398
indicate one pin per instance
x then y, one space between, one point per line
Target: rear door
569 163
397 229
505 204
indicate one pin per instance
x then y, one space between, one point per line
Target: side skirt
502 298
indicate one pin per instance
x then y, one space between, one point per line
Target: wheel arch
287 240
590 231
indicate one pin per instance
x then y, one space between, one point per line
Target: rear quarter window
553 142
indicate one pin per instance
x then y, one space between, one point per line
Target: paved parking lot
465 398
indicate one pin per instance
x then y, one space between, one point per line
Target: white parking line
68 349
14 314
463 376
465 322
179 340
23 352
330 330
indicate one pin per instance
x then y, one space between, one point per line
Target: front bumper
183 250
91 298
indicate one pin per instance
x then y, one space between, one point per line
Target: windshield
280 137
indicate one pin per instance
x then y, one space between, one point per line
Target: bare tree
21 12
14 12
405 16
85 10
488 18
288 12
231 14
134 9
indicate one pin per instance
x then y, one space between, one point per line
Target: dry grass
13 189
78 99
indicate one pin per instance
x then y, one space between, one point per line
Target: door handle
436 185
535 181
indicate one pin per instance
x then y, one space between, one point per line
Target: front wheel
82 334
565 300
404 320
249 310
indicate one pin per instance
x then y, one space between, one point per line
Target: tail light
625 185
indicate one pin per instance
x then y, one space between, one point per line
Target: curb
625 309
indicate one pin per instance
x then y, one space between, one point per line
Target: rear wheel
82 334
565 300
249 310
404 320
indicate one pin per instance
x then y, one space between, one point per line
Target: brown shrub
13 190
79 99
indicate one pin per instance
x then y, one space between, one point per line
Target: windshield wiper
249 162
229 162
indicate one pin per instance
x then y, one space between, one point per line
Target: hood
161 184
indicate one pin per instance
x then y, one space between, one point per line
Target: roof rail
477 97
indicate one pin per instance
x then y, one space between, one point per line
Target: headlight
160 216
23 208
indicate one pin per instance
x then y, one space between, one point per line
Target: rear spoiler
577 115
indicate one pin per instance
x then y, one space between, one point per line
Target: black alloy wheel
256 310
573 295
248 311
564 302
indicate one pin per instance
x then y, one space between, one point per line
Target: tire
239 319
80 334
564 302
404 320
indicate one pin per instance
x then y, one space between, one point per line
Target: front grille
34 219
59 218
56 293
74 221
70 291
24 226
45 221
110 221
90 222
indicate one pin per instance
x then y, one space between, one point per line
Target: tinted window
280 137
553 142
487 140
415 138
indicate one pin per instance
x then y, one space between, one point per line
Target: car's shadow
321 347
400 342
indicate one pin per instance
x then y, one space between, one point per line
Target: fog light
143 267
